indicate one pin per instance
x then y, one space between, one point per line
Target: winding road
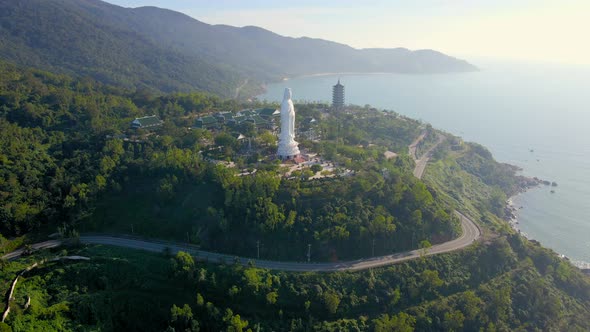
470 233
423 161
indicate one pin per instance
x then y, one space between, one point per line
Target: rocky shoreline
525 183
511 211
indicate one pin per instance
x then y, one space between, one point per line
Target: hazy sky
538 30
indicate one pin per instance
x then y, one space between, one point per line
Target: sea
535 116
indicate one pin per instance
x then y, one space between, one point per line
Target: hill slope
168 51
68 36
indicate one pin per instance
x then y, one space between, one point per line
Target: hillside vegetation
66 166
75 172
68 37
508 285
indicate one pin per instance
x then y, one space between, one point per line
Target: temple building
338 96
146 122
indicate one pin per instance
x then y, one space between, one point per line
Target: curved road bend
470 233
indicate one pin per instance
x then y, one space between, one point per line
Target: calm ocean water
509 108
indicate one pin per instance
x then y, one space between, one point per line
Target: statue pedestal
288 150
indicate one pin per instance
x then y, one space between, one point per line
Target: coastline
285 79
338 73
513 151
374 73
512 214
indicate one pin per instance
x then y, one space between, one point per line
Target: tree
401 322
253 279
248 128
182 319
268 139
114 149
307 305
424 246
502 254
470 305
233 291
306 174
430 280
166 187
272 297
200 300
225 140
331 301
453 320
234 322
268 214
316 168
183 265
101 182
5 327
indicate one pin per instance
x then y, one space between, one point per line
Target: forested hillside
70 162
66 37
508 284
75 170
162 50
54 153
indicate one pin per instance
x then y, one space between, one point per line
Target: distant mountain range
168 51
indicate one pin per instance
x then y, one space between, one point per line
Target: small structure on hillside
308 129
207 122
261 118
268 112
389 154
146 122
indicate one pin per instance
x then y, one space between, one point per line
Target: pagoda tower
338 96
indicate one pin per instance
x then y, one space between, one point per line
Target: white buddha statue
288 148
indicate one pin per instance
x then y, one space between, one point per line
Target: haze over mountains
168 51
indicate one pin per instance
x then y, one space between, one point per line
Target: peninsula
405 222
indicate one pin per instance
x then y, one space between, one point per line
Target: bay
511 108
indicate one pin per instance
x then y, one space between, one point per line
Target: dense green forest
72 37
55 155
508 284
71 174
67 166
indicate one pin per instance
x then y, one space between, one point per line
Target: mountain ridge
164 50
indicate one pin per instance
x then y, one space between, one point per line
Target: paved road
414 146
423 161
470 233
37 246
